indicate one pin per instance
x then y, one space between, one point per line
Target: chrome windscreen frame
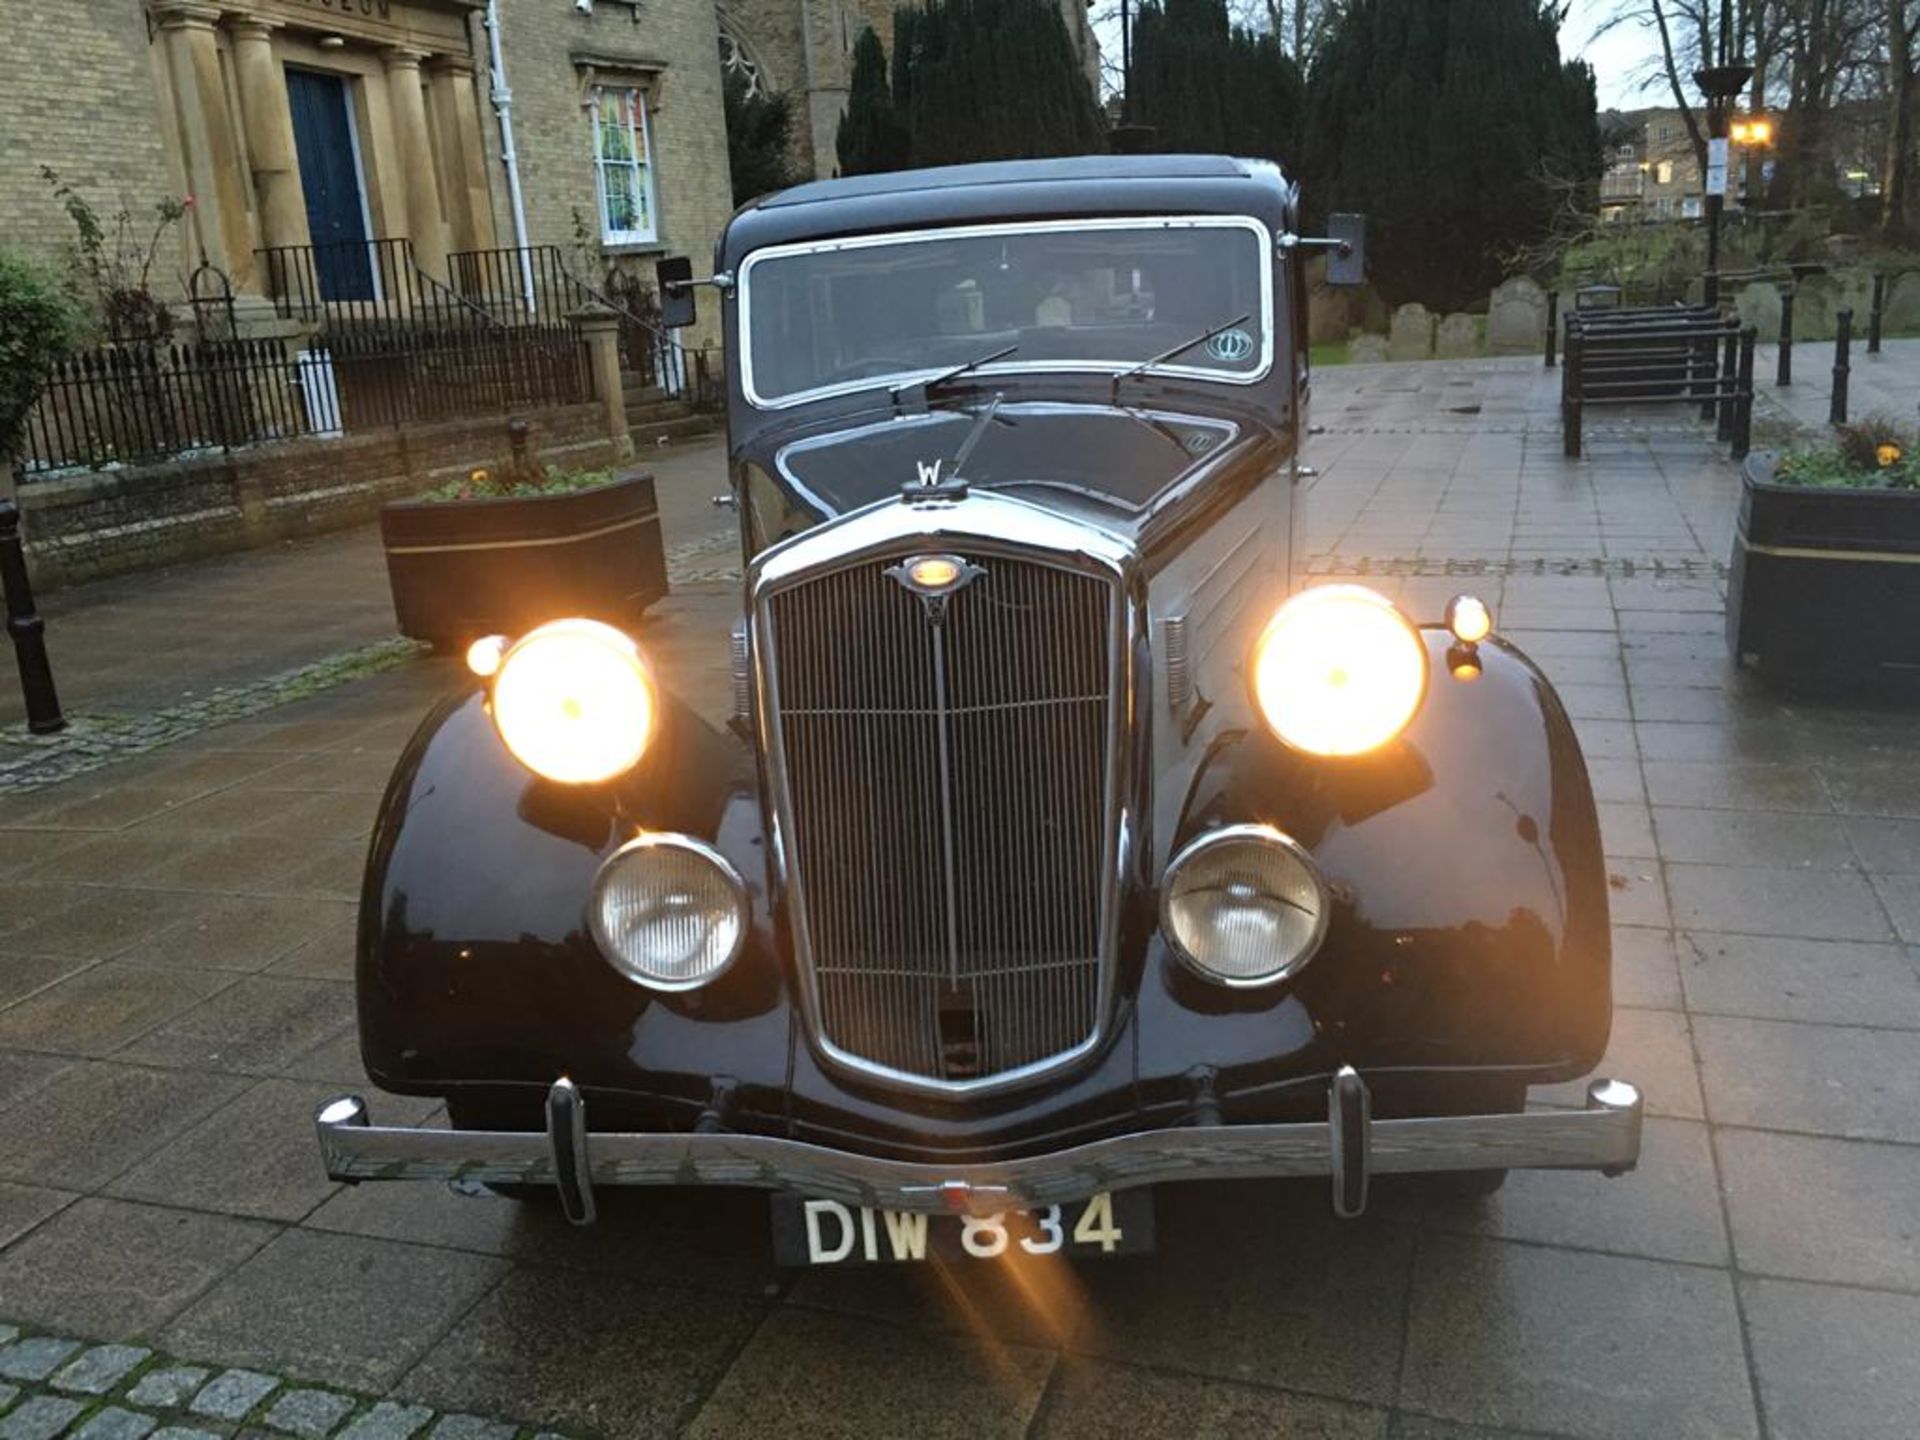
744 292
978 525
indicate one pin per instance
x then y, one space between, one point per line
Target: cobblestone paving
175 997
64 1386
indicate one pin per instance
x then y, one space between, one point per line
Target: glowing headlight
1339 671
1243 906
668 912
574 702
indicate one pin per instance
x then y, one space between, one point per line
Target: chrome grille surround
847 554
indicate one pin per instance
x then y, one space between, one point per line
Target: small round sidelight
1469 618
668 912
1243 906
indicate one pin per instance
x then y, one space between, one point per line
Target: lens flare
1339 671
574 702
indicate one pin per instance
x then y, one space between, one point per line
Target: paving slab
945 1386
1833 1363
109 1269
1094 1400
1586 1345
1866 1197
334 1309
1840 1080
521 1353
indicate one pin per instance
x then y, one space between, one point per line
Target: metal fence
124 405
389 346
535 282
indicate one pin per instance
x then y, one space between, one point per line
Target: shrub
37 325
482 484
1876 453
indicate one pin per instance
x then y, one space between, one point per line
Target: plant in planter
500 552
1826 561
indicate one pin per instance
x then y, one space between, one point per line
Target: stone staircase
655 418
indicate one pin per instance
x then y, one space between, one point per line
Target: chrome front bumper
1349 1147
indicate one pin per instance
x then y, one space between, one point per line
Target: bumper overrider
1349 1148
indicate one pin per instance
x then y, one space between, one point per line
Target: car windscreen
1100 295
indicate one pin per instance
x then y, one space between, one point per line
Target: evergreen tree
759 138
870 138
1204 84
991 80
1456 128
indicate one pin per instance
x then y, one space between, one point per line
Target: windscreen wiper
1153 360
894 392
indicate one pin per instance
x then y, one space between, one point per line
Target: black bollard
1842 341
1570 398
27 629
1785 375
1729 367
1743 412
1553 324
1873 317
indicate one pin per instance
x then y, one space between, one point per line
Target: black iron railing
535 282
127 405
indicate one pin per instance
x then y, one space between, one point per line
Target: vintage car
1064 841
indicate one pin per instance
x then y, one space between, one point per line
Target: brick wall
108 523
79 96
677 46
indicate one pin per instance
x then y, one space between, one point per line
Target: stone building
804 48
330 122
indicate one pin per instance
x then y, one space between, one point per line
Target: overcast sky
1618 57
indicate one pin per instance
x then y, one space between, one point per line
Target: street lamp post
1720 84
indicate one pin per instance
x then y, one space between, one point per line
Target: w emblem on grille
934 578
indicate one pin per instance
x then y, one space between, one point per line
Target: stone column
600 328
269 121
426 226
212 159
463 163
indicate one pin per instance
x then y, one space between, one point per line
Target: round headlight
1339 671
1243 906
574 702
669 912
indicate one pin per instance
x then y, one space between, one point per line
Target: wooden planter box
1825 583
461 569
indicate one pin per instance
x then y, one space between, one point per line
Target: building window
623 165
1664 174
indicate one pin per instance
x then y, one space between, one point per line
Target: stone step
645 412
686 427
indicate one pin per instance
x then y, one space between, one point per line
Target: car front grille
944 767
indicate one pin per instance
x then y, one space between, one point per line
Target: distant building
1652 172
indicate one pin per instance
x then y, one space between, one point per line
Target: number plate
829 1232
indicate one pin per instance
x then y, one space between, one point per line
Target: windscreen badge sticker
1231 347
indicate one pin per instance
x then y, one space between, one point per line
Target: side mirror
1347 265
674 276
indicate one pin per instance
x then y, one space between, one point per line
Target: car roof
1011 190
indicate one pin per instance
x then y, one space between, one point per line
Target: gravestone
1457 337
1902 314
1410 337
1367 349
1517 318
1758 305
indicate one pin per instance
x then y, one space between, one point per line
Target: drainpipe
502 99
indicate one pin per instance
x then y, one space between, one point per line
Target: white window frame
637 170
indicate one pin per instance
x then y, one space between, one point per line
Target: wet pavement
175 950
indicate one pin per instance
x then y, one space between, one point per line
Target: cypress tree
759 128
1205 84
870 138
1456 128
990 80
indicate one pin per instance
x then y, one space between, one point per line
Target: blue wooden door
330 178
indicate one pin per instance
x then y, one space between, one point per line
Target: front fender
1469 927
474 959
